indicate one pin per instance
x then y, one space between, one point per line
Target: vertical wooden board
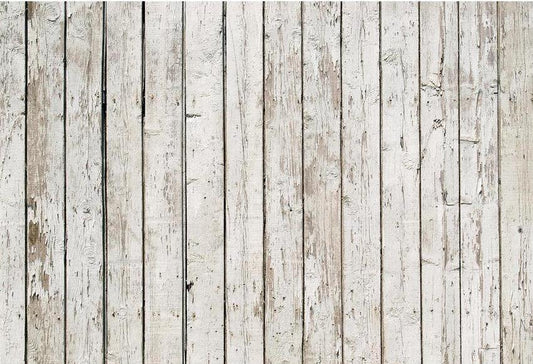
45 183
361 234
124 287
84 207
322 182
205 181
439 182
244 182
400 183
12 215
163 183
283 183
516 199
479 183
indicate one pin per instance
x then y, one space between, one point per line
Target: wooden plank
516 199
84 207
283 183
12 175
400 183
124 335
479 183
244 182
322 182
205 181
439 135
163 183
361 233
45 183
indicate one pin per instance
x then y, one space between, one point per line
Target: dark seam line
26 183
498 118
65 182
103 151
183 190
143 204
341 165
459 180
380 66
224 50
420 200
264 182
302 170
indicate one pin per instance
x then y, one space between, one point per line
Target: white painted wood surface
322 182
480 279
283 183
45 184
12 177
516 199
244 182
84 203
439 138
204 117
277 182
163 126
400 183
361 235
124 184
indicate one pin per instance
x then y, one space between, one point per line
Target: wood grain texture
479 183
45 183
84 207
361 233
516 142
322 182
283 183
162 162
244 183
439 133
205 181
124 285
400 183
12 187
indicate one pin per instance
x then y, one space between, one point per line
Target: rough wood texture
322 183
84 208
45 184
361 183
163 183
479 183
516 199
124 334
400 183
439 133
244 183
12 207
283 183
205 181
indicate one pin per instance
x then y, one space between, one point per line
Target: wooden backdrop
277 182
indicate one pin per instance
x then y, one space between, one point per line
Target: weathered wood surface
439 138
361 235
400 166
244 183
283 183
322 183
478 133
84 203
12 188
163 191
45 183
278 182
204 117
124 184
516 199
